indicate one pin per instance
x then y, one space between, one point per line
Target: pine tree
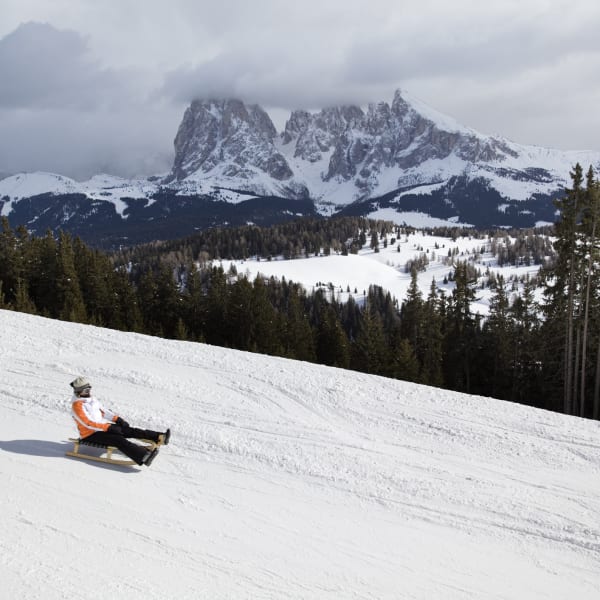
566 274
128 316
68 290
411 314
374 240
147 292
216 303
239 321
22 302
589 248
461 332
298 338
571 297
370 349
168 301
331 343
42 258
497 339
9 261
527 385
405 362
263 317
181 332
194 303
432 340
95 272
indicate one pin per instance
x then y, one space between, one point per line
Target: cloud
116 95
43 67
278 54
482 50
80 144
61 111
286 82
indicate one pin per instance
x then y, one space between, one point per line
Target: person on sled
98 425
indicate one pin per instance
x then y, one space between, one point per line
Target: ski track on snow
283 480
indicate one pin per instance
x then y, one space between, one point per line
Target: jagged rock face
429 141
296 124
315 135
227 133
363 144
227 144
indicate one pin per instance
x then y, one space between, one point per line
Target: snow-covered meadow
283 480
352 275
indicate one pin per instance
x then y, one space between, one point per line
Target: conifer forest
541 353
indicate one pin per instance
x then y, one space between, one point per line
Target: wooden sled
76 453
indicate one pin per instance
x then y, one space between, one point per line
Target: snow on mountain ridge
340 156
441 120
100 187
377 150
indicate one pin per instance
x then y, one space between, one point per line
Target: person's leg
135 452
146 434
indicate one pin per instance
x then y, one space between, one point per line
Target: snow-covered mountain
109 211
283 479
347 153
402 156
103 188
225 143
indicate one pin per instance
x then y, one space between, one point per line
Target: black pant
134 451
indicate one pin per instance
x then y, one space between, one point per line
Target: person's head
82 387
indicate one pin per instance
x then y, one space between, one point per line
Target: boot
150 456
163 438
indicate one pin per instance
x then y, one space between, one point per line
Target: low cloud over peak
118 75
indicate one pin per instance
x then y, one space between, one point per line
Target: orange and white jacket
91 416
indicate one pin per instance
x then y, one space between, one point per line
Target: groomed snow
283 480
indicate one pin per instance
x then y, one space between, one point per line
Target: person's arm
109 415
114 418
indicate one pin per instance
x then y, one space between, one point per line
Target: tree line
546 355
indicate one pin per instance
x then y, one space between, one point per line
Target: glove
122 423
114 430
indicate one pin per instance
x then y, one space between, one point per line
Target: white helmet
80 384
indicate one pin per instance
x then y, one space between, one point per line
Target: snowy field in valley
283 480
387 268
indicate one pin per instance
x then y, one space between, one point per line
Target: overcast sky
88 85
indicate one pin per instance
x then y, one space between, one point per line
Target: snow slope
387 268
283 480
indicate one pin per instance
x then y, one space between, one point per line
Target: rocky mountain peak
373 150
358 145
230 136
378 118
317 134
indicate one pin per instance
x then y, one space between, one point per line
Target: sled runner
76 453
